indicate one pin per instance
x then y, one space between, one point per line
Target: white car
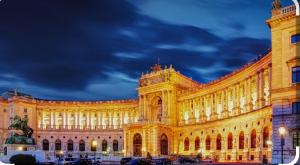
98 160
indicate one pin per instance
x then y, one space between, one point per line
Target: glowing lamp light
144 149
61 152
94 143
20 148
282 130
269 142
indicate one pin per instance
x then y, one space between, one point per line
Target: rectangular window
296 108
295 38
296 139
296 74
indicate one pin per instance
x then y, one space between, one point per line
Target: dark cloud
84 45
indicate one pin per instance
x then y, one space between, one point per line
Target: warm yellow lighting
61 152
20 148
123 151
269 142
144 149
186 117
282 130
94 143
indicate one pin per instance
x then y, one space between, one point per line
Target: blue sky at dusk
97 49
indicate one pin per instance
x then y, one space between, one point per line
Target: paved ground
117 163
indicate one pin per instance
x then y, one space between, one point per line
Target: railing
79 127
284 10
288 9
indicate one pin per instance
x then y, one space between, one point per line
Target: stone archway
137 145
164 145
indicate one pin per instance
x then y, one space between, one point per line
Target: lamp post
61 154
282 132
94 145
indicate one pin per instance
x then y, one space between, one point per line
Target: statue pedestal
18 147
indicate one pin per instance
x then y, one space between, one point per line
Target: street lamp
61 154
94 145
282 132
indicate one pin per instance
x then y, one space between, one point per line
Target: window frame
296 139
295 38
296 108
296 74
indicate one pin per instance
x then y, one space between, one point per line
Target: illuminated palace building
234 118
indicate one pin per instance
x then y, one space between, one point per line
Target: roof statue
156 67
276 4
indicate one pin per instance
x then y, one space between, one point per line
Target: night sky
97 49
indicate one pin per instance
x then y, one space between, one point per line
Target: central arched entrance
164 144
137 145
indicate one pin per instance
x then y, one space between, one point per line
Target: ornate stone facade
234 118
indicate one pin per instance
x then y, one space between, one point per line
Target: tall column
109 120
144 142
141 109
64 118
121 116
51 119
145 117
67 119
248 94
163 104
42 117
260 89
169 102
76 119
54 119
100 120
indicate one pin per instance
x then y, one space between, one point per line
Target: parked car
162 161
98 161
86 161
69 161
125 161
183 160
140 161
206 161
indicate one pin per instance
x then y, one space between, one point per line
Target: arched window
164 145
81 145
219 142
104 145
207 143
70 145
186 144
253 138
265 137
137 145
197 143
115 145
46 145
241 140
57 145
229 141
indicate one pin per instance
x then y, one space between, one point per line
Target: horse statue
21 124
